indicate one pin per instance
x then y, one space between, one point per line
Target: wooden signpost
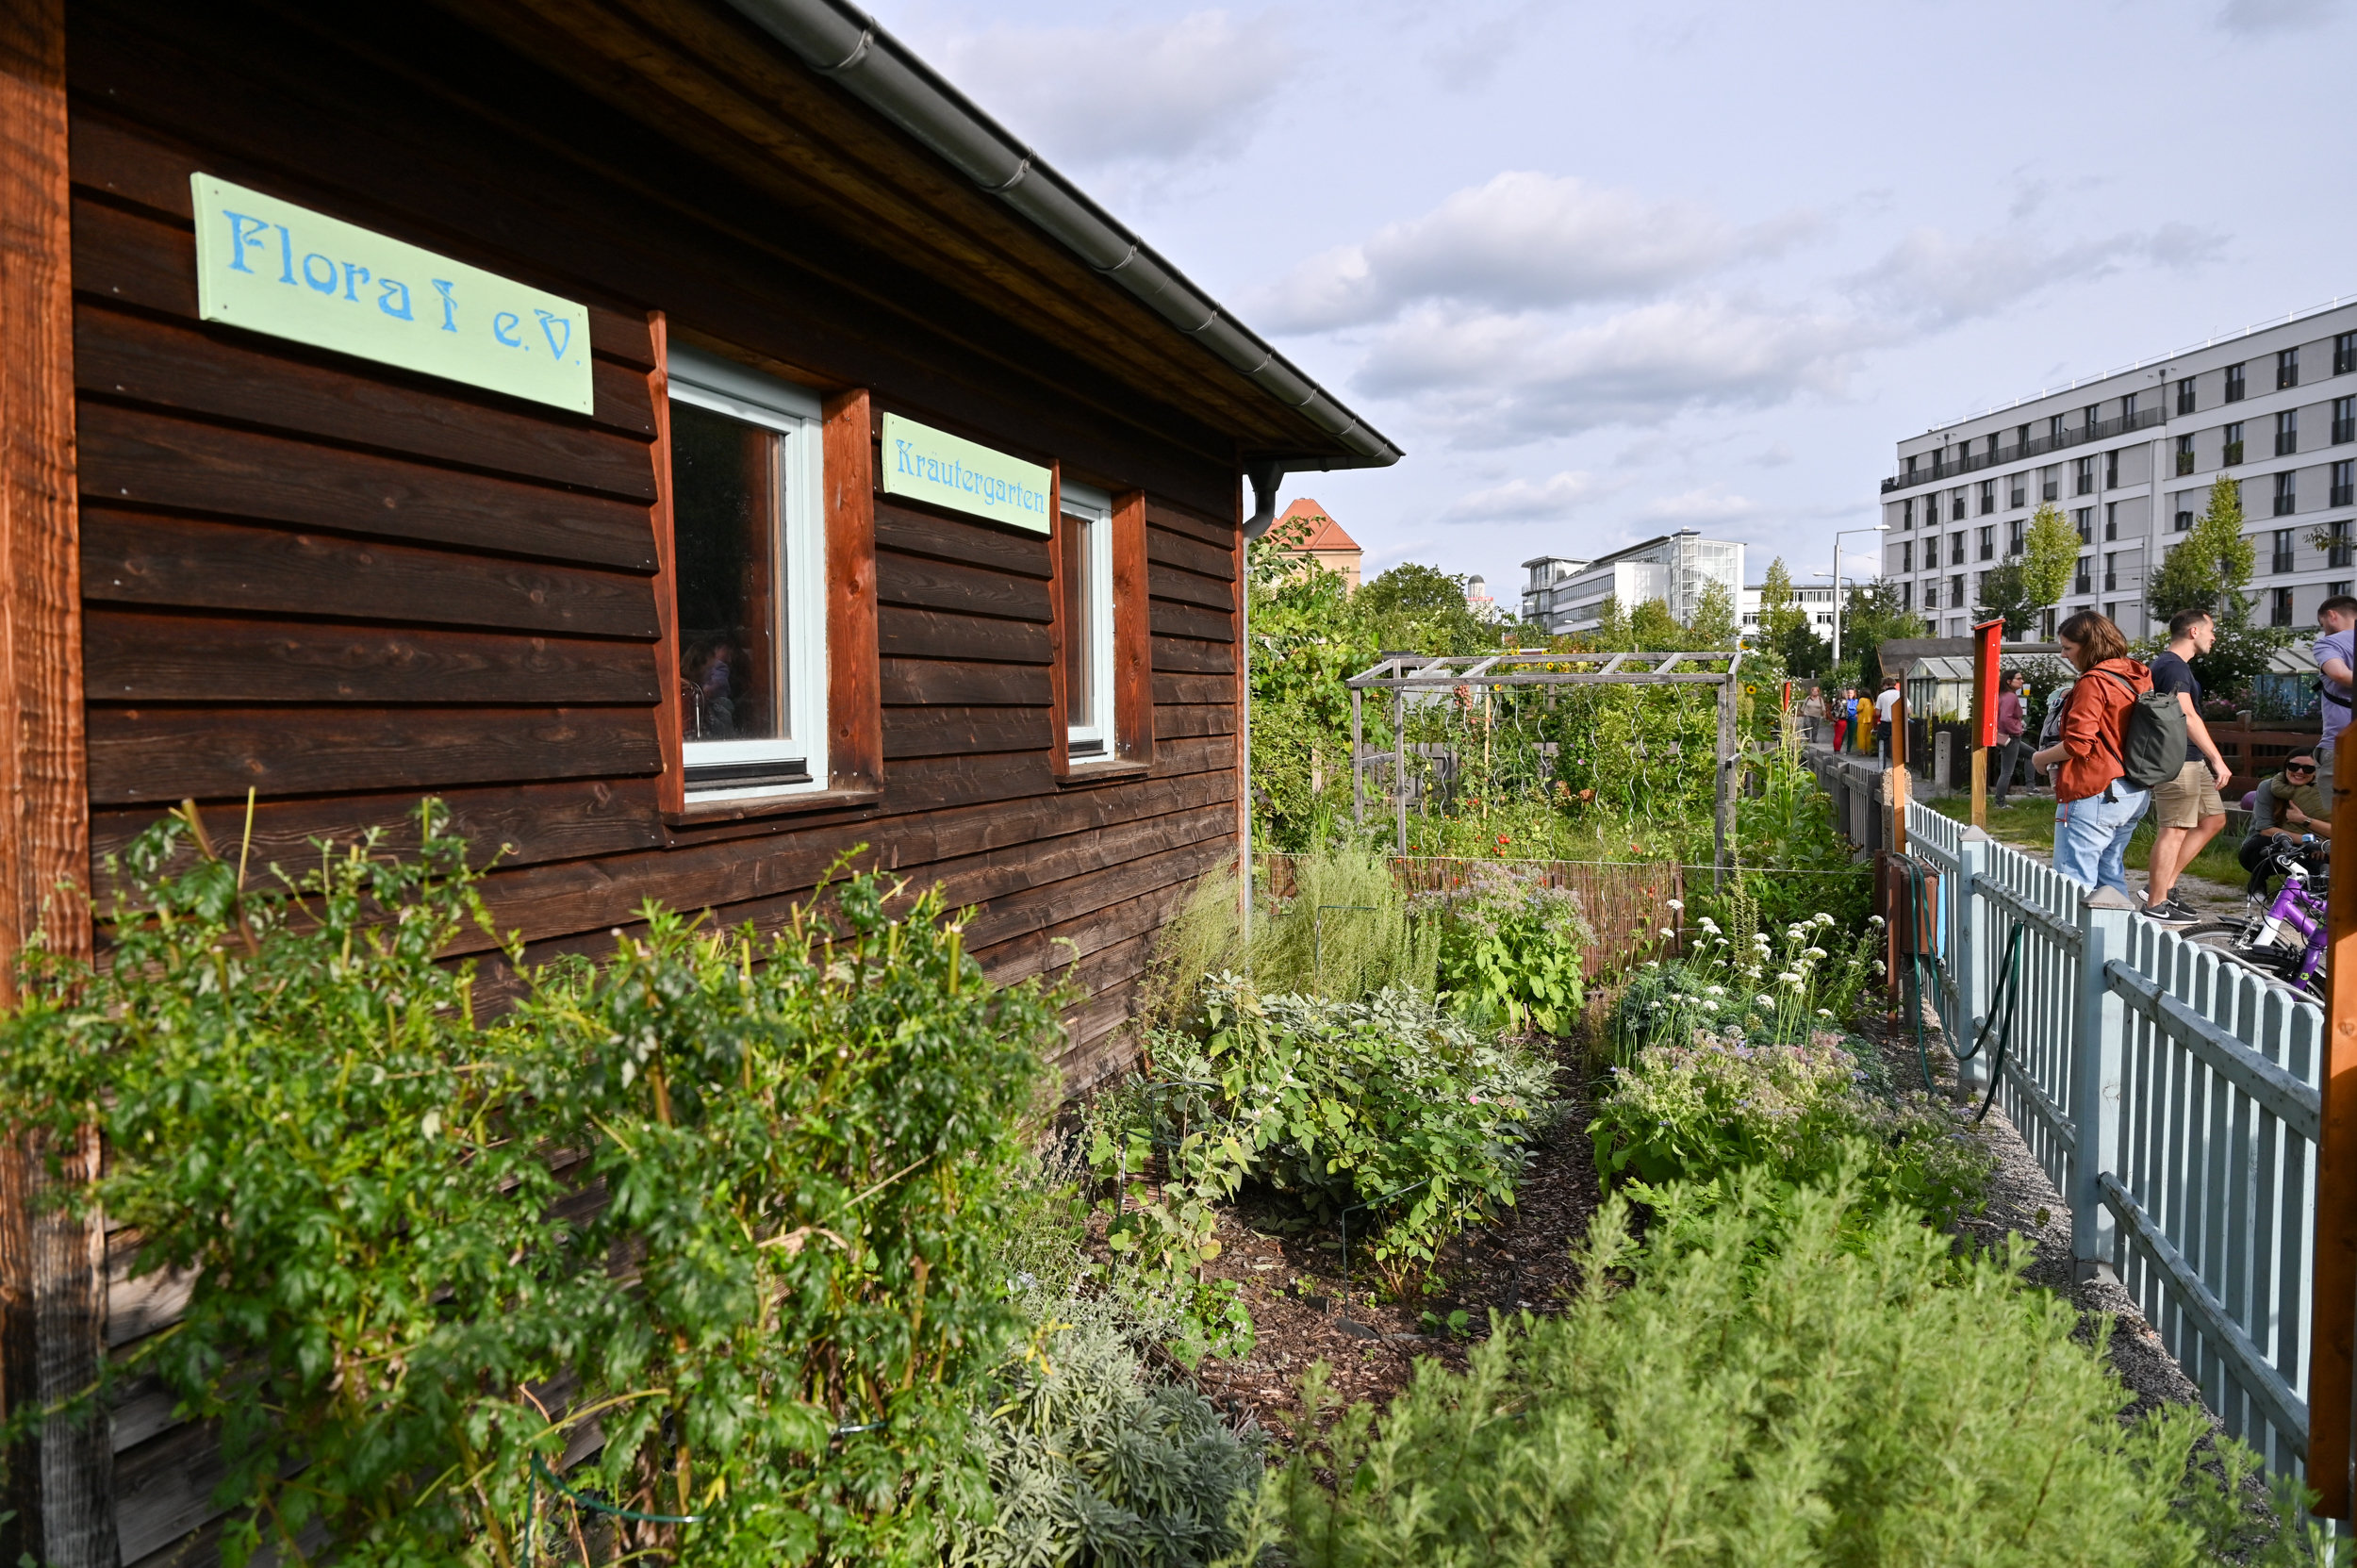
1987 639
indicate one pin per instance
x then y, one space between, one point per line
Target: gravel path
2022 1201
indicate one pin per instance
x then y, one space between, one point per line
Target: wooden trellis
1403 673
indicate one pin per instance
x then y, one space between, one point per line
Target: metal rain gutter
851 47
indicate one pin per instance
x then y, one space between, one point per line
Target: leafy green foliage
2005 595
1784 1379
1092 1461
1796 864
1511 951
2211 565
1390 1103
2050 556
1701 1112
728 1196
1871 616
1785 630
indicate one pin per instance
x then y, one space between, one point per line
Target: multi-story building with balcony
1566 597
2130 458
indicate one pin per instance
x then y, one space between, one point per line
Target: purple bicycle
2284 934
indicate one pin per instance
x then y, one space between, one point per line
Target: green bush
1337 1103
730 1197
1093 1463
1510 950
1780 1380
1700 1112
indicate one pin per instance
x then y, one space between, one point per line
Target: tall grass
1343 933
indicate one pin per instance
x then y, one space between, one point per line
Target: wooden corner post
2333 1312
52 1275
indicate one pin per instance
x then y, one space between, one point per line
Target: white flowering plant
1773 986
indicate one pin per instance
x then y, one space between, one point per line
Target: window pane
1079 619
725 536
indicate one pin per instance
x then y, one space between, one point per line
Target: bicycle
2282 933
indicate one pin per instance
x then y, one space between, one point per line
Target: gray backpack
2153 747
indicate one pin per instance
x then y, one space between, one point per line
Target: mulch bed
1292 1284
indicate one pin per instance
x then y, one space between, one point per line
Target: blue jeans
2091 835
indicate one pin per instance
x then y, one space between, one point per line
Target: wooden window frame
854 717
1132 753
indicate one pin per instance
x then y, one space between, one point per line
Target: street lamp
1838 537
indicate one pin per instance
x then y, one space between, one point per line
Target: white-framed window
749 579
1086 568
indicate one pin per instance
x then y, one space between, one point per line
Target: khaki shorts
2184 800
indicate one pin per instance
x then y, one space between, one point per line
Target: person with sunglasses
2287 805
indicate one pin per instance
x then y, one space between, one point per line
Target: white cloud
1776 456
1163 93
1495 380
1939 278
1521 241
1707 504
2259 18
1520 501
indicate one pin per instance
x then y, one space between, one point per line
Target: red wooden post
2333 1309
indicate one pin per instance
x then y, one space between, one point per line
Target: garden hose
2008 994
2002 1007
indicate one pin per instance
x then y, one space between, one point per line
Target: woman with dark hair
2096 809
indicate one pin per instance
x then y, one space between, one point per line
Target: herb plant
705 1232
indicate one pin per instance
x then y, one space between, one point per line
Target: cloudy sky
1605 270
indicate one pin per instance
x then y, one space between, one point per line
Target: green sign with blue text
270 265
933 465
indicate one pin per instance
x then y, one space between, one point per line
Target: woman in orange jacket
2096 809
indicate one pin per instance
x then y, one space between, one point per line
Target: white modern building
1566 597
1818 602
2130 458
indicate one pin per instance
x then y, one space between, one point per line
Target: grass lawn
2030 825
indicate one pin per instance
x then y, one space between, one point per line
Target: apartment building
2130 458
1818 602
1566 597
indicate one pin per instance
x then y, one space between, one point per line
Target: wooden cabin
687 436
690 438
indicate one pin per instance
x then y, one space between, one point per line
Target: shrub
1090 1462
1698 1112
1770 1387
728 1196
1510 950
1338 1103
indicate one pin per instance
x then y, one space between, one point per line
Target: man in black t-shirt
2187 810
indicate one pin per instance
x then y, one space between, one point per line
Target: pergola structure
1403 673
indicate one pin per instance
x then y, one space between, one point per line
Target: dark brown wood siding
342 586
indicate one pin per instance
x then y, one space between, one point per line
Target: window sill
696 815
1103 772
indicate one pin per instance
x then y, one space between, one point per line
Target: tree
1784 624
2005 596
1714 623
1873 617
1652 626
2210 567
2050 557
1423 608
1612 625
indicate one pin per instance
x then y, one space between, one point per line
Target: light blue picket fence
2173 1097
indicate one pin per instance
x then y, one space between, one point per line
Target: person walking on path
2096 808
1813 711
2011 721
2188 810
1883 706
1842 707
2336 653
